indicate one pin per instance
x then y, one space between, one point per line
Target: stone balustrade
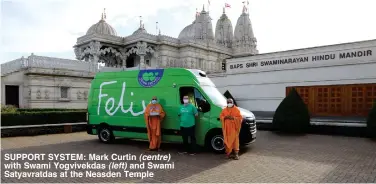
34 61
43 62
12 66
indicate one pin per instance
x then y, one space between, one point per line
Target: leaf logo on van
150 78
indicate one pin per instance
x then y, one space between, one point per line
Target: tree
228 95
292 115
371 122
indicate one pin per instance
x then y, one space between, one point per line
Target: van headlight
249 116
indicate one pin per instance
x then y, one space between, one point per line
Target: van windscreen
215 96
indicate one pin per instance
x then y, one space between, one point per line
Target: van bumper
89 129
248 132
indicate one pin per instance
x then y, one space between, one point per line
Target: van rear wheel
216 143
105 135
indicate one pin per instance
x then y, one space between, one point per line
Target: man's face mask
185 100
154 101
230 104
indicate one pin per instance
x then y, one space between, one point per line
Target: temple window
64 92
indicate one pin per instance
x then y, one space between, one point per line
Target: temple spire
247 5
197 13
104 14
140 21
245 10
203 8
224 10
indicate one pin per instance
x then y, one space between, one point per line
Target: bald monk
154 115
231 123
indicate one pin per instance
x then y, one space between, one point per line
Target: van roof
168 71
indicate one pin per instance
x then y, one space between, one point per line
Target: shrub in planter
227 94
292 115
371 122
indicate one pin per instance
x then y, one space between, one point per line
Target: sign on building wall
298 60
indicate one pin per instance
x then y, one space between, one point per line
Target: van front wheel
105 135
217 143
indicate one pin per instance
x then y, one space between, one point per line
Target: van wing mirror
204 107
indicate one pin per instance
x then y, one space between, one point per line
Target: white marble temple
46 82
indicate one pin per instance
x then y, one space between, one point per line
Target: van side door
201 103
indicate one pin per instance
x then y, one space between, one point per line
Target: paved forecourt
273 158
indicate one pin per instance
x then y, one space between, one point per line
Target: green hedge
48 110
41 117
371 122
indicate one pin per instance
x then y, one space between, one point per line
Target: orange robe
231 128
153 125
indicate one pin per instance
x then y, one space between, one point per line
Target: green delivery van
117 102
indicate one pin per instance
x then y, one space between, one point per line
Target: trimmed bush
371 122
35 118
228 95
292 115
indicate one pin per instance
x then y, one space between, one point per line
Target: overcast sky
51 27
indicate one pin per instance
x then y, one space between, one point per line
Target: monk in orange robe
231 123
154 115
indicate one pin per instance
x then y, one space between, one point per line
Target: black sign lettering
323 57
284 61
235 66
346 55
253 64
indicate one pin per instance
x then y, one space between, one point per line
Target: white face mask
230 105
154 101
185 101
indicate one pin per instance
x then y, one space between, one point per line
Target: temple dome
187 32
201 28
102 27
140 30
224 32
243 28
244 42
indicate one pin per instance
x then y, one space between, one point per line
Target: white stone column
142 62
141 51
95 47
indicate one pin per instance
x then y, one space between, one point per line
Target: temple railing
34 61
43 62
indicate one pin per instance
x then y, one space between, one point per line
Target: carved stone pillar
142 62
141 51
94 51
123 57
158 61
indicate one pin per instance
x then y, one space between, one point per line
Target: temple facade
197 45
333 80
47 82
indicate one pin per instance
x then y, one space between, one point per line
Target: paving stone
273 158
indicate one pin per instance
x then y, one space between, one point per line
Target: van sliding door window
199 98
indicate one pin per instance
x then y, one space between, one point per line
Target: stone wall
46 91
17 79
